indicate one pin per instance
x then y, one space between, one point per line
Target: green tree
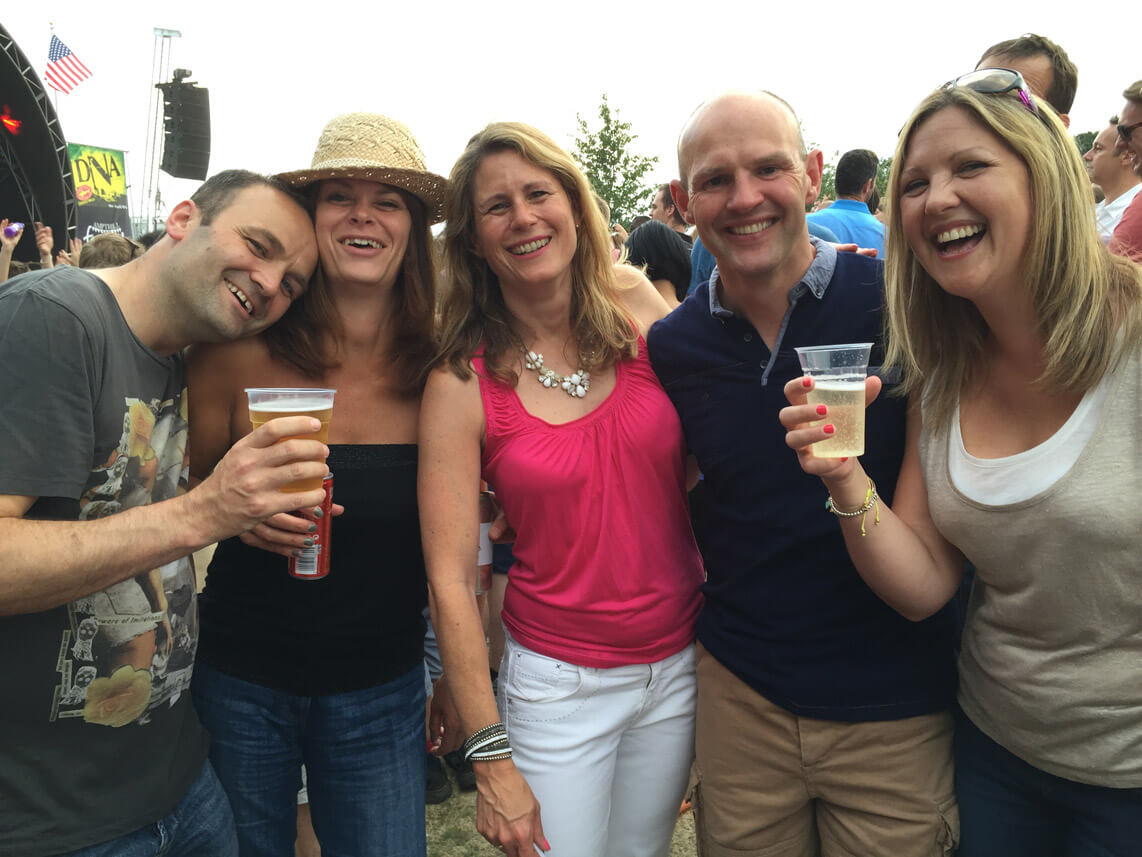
882 171
1085 140
615 171
828 179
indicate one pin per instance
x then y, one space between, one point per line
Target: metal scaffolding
150 208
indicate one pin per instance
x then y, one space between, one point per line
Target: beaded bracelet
493 757
485 740
870 502
498 749
491 744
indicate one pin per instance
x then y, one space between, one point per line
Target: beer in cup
269 403
838 373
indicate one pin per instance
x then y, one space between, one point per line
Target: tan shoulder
640 297
442 380
245 354
628 276
451 406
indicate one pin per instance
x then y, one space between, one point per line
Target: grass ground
452 830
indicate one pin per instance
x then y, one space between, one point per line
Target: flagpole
55 94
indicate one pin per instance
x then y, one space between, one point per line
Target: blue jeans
1009 808
200 825
364 758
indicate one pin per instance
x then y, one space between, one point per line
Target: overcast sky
853 71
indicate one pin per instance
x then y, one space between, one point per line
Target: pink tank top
607 571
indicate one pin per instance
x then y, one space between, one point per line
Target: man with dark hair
1110 170
1045 66
102 751
664 211
849 217
823 723
214 196
1127 237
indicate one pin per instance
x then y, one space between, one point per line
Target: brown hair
1064 73
306 337
108 251
215 194
473 309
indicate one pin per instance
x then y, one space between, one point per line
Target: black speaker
186 130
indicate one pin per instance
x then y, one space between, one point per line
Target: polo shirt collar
850 205
815 281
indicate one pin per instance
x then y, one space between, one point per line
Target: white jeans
607 752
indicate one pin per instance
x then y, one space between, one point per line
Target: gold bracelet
870 502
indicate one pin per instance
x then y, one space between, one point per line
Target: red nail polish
844 458
829 429
806 383
822 410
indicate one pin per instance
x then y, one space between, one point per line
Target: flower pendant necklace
575 385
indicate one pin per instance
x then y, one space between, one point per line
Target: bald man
823 724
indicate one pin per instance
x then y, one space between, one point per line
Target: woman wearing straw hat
329 672
543 385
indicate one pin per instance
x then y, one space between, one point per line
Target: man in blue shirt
849 217
822 721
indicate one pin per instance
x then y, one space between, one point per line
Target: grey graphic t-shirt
99 736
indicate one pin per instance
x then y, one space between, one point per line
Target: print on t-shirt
130 647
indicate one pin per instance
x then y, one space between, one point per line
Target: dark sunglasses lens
991 81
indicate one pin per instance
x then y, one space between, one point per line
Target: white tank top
999 481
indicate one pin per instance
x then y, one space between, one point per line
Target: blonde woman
543 388
1021 341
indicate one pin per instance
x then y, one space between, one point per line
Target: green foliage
616 172
1085 140
829 179
882 171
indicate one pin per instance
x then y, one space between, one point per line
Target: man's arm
44 564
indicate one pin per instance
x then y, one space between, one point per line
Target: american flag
65 72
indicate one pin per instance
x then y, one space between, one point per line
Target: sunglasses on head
1124 131
997 81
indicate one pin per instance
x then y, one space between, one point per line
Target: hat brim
429 188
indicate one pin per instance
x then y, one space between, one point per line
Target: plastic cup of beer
269 403
838 373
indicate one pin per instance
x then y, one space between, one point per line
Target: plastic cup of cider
838 373
270 403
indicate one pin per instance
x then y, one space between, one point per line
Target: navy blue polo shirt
785 610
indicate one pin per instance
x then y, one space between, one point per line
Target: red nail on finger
806 383
829 429
822 410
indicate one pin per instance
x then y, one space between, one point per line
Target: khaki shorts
770 784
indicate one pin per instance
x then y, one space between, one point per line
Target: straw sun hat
375 148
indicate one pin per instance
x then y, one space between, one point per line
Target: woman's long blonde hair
1086 302
473 310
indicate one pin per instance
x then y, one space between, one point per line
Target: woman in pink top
544 389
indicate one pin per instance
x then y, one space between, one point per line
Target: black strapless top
360 626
